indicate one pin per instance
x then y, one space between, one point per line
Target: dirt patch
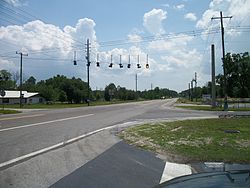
147 144
243 143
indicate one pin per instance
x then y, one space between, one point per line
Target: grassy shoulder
209 108
66 105
9 112
195 140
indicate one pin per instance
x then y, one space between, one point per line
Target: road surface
44 148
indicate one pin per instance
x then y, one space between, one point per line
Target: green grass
9 112
209 108
187 101
66 105
195 140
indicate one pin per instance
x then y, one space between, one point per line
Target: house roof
16 94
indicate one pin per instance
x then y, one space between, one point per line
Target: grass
9 112
195 140
209 108
65 105
187 101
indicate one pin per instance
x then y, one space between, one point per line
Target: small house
13 97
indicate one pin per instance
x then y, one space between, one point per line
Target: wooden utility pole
223 57
213 75
21 75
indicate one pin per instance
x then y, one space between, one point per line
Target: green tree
238 74
110 92
5 80
30 84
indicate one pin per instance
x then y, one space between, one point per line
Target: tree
62 96
5 80
110 92
238 74
71 90
30 84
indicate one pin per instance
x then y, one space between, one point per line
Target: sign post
2 93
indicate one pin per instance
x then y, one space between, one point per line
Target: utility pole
189 94
223 57
213 75
21 75
192 90
136 80
88 65
195 89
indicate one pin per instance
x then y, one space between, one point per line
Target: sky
173 36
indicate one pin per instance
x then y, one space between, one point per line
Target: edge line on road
45 122
12 162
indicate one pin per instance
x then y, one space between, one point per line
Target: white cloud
47 41
183 59
7 64
175 42
83 30
36 35
179 7
15 3
153 19
165 5
239 9
190 16
134 38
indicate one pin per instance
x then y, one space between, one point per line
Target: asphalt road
40 129
23 135
122 166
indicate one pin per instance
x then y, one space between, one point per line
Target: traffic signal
74 61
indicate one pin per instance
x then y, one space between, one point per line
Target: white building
13 97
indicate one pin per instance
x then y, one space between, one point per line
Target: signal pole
136 80
21 75
88 64
223 57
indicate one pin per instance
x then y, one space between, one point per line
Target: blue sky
176 35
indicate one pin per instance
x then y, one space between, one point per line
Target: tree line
237 74
74 90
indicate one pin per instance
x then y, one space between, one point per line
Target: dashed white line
46 122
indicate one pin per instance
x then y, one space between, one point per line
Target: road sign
2 93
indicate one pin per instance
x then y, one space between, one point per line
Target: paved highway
23 136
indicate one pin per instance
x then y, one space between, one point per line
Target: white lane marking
35 153
173 170
46 122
